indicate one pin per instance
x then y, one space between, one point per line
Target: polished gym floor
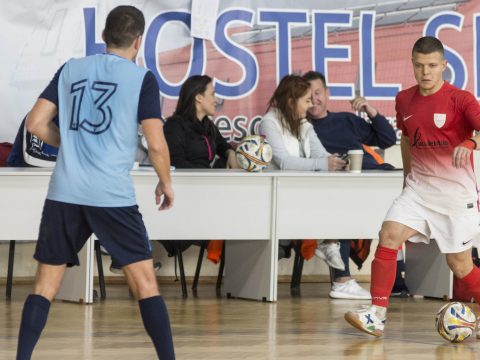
309 326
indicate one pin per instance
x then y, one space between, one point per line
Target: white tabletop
149 171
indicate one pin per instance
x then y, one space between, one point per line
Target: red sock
384 268
472 283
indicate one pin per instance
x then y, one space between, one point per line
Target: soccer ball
254 153
455 322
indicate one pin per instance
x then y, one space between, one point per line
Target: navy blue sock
34 318
157 324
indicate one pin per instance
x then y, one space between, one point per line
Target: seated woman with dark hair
193 139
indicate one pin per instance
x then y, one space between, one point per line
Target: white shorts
453 233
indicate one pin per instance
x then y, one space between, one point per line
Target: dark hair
123 25
290 89
428 45
315 75
186 109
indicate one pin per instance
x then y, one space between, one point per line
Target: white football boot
368 319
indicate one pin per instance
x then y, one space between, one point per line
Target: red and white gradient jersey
435 125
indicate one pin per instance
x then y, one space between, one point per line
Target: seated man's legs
344 287
329 251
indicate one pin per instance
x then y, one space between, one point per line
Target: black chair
177 251
101 277
297 269
177 247
201 254
11 256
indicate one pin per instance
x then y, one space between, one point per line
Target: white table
338 205
231 205
251 211
353 206
22 194
219 204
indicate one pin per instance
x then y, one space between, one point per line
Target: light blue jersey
98 101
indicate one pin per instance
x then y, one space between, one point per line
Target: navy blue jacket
33 147
343 131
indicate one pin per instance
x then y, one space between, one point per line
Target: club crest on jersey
439 119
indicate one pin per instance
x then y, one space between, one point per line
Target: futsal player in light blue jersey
100 100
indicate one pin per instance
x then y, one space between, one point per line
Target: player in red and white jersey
432 127
440 198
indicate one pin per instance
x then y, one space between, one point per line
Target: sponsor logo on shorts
466 242
470 206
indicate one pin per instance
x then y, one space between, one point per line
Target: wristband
469 144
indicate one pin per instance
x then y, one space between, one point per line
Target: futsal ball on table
455 322
254 153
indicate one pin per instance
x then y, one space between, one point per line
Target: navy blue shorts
65 228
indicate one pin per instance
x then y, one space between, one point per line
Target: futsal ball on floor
254 153
455 322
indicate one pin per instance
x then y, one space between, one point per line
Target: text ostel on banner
322 52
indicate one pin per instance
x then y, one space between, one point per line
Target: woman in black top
193 139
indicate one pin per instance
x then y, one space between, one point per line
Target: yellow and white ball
254 153
455 322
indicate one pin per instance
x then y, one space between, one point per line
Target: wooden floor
307 327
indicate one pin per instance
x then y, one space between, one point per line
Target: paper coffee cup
355 158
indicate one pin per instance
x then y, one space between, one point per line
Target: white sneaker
367 319
330 253
349 290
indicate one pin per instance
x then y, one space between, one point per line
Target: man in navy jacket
343 131
340 132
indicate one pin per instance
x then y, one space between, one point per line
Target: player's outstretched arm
39 122
406 156
160 158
